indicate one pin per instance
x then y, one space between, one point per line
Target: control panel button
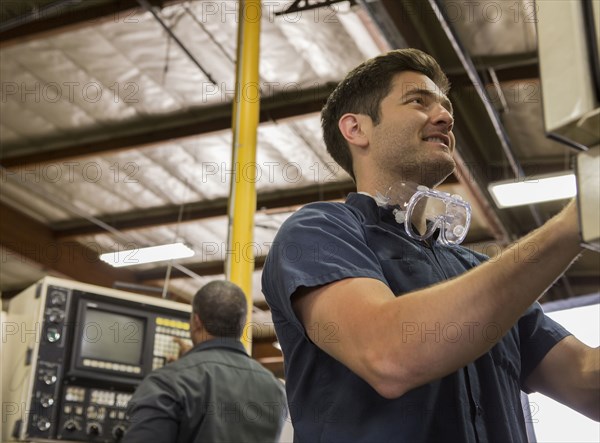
118 432
53 334
49 379
46 401
71 426
92 412
43 424
94 429
56 316
57 298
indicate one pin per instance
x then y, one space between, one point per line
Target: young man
388 338
215 392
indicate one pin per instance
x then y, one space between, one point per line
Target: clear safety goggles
448 213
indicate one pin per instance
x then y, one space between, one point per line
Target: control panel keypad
165 347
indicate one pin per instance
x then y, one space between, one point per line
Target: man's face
413 140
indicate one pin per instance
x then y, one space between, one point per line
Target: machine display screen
111 336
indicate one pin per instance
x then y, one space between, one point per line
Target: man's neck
201 337
418 217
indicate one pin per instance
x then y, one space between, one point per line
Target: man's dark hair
222 308
362 91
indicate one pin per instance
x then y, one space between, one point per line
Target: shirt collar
229 343
378 198
370 208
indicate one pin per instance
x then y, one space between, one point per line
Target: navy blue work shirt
327 242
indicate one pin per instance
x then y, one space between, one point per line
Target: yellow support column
239 264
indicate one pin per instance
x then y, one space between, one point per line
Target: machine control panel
50 364
90 414
92 348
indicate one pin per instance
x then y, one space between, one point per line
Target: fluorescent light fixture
147 255
539 189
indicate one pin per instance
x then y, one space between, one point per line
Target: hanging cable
150 9
170 265
210 35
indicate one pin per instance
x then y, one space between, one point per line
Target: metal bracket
306 5
28 356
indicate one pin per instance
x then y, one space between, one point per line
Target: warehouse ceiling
116 133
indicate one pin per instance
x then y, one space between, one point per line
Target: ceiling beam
60 17
145 218
281 106
504 74
507 67
30 239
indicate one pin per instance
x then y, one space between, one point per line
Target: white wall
552 421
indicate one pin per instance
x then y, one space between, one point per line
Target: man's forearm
504 288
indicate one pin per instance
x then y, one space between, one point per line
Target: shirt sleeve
153 413
319 244
538 334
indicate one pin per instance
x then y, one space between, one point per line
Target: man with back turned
215 392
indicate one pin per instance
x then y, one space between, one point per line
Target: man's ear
196 323
355 128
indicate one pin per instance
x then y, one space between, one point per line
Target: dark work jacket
214 393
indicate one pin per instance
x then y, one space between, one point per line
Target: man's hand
184 346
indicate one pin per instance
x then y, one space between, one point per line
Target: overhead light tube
538 189
151 254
